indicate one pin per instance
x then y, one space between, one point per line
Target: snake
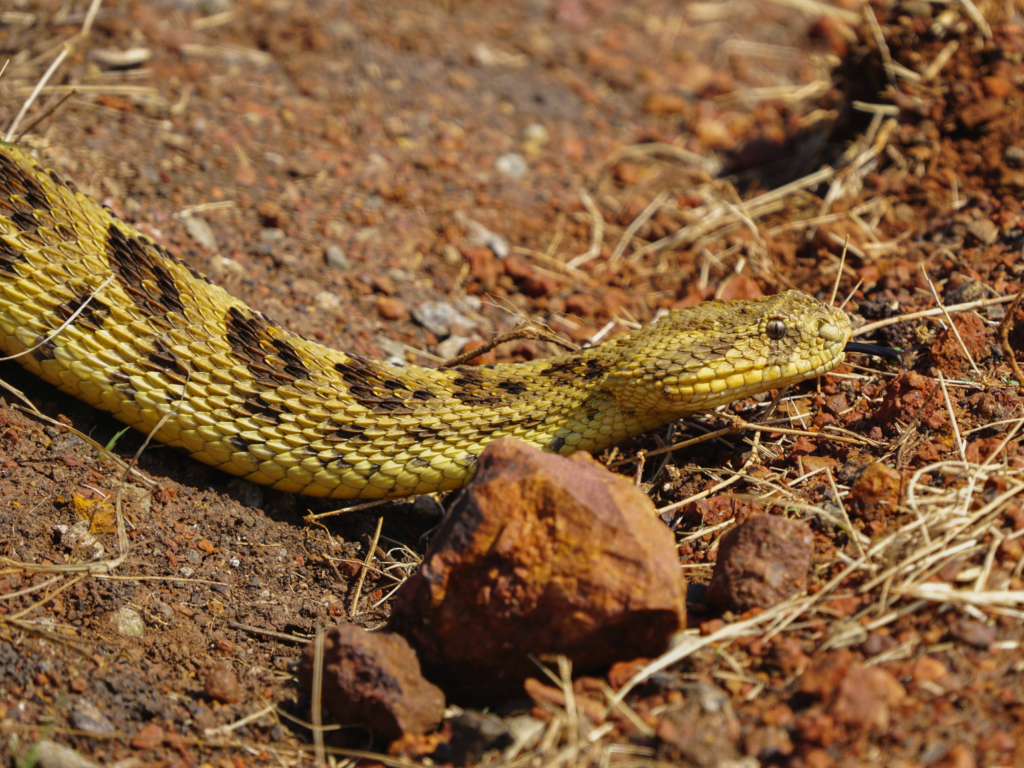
93 306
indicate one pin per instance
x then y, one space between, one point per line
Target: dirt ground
579 163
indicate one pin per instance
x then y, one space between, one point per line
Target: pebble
149 736
80 540
335 257
438 317
222 683
973 632
391 309
50 754
200 231
482 236
393 349
984 230
761 562
374 679
86 717
117 58
1014 156
512 165
271 234
535 133
451 347
128 622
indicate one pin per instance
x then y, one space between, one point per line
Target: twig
1004 336
366 566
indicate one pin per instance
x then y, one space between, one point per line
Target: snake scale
145 337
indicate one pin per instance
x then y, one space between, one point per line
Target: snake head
700 357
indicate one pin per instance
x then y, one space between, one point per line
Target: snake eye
776 329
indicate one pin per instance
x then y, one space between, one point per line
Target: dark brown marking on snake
257 407
164 360
416 461
556 445
423 394
252 344
132 259
237 442
45 349
513 387
91 317
8 258
123 384
293 364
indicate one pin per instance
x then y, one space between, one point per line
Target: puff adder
251 398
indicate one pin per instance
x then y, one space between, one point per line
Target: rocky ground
406 180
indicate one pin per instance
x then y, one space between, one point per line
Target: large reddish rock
373 678
761 562
540 555
875 494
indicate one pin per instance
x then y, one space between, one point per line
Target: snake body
146 337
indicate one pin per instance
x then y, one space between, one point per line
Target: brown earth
345 162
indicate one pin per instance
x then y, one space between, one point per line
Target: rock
984 231
947 353
438 317
222 684
86 717
150 736
666 104
473 735
373 678
875 493
866 697
511 165
761 562
50 754
128 622
335 257
973 632
540 554
451 347
200 231
390 309
702 731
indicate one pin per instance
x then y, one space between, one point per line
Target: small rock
149 736
222 684
118 58
761 562
373 678
438 316
548 555
384 284
86 717
702 731
984 231
49 754
973 632
866 697
947 351
391 309
535 133
928 669
200 231
875 493
335 257
85 547
451 347
480 235
512 165
1014 156
128 622
473 735
968 290
666 104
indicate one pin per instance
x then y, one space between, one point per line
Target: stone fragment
761 562
222 683
86 717
373 678
473 735
973 632
540 555
947 351
875 493
866 697
702 731
128 622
